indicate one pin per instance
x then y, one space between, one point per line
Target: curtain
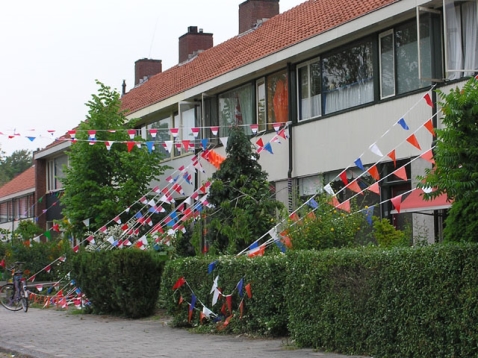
348 96
470 31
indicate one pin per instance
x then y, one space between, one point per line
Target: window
162 134
309 80
54 172
261 104
188 122
461 37
211 119
347 77
406 57
277 98
236 107
387 64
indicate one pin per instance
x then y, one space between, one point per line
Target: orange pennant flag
202 316
180 300
248 290
391 155
401 173
241 309
428 156
413 141
373 171
229 303
345 206
294 216
396 201
429 125
334 202
286 239
190 313
311 215
355 187
374 188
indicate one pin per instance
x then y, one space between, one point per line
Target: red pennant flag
345 206
181 281
396 201
48 268
130 146
373 171
334 201
401 173
260 143
355 187
229 303
248 290
294 216
311 215
391 155
190 313
286 239
413 141
343 176
374 188
429 125
2 263
428 156
180 300
428 99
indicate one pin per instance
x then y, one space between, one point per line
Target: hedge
264 313
119 282
418 302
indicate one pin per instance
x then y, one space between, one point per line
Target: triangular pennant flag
374 188
239 286
248 290
369 215
181 281
214 130
345 206
313 204
343 176
174 131
413 141
429 125
375 150
254 128
260 143
428 99
131 133
224 141
373 171
354 186
186 144
428 156
153 132
276 126
391 155
204 143
402 122
195 132
396 201
328 189
92 134
168 144
108 145
31 139
150 146
401 173
268 147
359 165
211 267
130 146
86 222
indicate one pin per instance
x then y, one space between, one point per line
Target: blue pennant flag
239 287
313 204
280 245
359 164
369 213
199 207
211 267
138 215
31 138
150 146
253 245
402 122
268 147
204 142
193 302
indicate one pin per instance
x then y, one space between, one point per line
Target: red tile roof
21 182
284 30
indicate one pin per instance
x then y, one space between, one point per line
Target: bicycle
14 296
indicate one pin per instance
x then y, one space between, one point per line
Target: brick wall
194 41
146 68
252 10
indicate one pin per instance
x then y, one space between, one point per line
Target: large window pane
348 77
461 33
162 135
309 77
261 104
407 58
236 108
387 65
277 98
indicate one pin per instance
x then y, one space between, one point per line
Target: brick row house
338 75
350 82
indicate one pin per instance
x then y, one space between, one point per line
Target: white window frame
381 36
307 116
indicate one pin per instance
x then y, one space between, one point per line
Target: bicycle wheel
24 299
7 299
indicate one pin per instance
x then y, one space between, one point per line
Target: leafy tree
244 207
100 183
456 162
14 164
27 229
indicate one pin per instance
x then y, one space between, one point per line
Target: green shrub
264 313
119 282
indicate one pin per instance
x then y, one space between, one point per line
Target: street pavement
47 333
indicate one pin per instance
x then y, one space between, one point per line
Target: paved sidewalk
46 333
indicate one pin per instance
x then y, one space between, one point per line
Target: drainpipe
289 172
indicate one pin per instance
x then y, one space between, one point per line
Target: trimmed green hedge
119 282
419 302
263 313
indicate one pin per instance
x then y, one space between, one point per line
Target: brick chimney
193 42
252 12
145 68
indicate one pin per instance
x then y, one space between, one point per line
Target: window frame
307 65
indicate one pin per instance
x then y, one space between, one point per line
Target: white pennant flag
152 203
214 285
168 144
86 222
215 296
207 312
224 141
374 149
328 189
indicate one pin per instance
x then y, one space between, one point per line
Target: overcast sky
52 52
